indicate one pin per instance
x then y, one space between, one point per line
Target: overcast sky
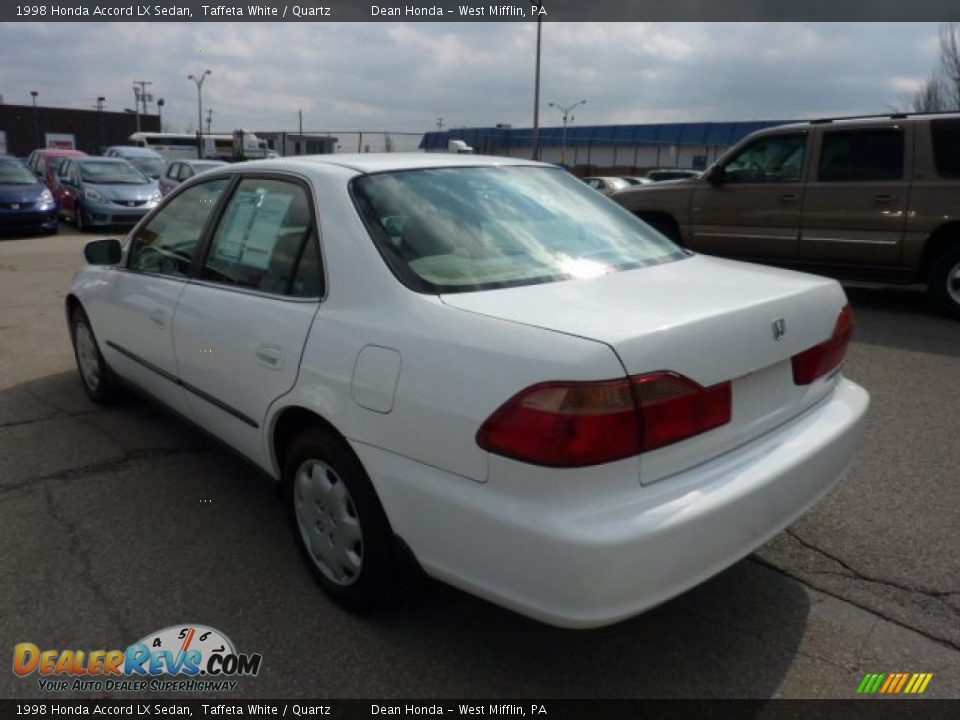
403 76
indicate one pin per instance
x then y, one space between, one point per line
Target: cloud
403 76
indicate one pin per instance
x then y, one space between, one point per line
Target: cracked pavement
115 523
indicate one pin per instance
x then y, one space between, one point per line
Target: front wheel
338 523
98 379
943 281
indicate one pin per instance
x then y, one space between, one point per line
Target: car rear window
945 134
475 228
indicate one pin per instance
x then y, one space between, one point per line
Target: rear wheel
98 379
338 523
943 281
78 218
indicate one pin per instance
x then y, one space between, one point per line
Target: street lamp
100 101
567 112
536 97
160 104
198 81
36 119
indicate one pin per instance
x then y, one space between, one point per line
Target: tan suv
872 198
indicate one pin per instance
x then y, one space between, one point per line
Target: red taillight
565 424
573 424
673 408
821 359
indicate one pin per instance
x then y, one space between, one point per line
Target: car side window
945 134
173 171
186 172
166 245
861 155
264 236
772 159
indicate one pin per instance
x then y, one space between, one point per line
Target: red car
45 161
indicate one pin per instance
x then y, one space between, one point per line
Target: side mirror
103 252
715 175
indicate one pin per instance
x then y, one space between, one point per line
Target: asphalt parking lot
115 523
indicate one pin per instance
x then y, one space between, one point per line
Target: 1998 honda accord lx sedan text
484 363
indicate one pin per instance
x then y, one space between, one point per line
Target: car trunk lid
708 319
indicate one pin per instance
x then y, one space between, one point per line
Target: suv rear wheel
943 280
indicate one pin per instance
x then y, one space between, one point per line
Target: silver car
104 191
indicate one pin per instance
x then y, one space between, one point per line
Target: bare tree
950 62
941 91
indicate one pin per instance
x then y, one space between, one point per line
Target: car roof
384 162
859 121
60 152
134 151
98 158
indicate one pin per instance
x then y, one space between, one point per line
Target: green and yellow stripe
894 683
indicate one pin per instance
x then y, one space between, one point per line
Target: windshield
151 167
462 229
111 173
12 172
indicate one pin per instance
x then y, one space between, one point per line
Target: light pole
36 118
136 105
198 81
536 97
567 112
160 104
100 101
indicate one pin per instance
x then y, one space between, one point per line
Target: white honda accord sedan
482 363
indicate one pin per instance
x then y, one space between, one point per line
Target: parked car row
608 185
117 188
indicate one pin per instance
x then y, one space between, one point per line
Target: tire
338 522
99 381
943 281
78 218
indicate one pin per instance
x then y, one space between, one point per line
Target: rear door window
861 155
264 236
945 134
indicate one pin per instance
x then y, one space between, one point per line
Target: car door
169 179
855 212
135 318
67 188
242 322
751 205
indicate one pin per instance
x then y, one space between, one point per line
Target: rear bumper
577 563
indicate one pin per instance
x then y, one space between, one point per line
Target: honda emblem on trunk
779 328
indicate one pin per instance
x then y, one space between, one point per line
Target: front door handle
789 197
159 318
883 199
271 356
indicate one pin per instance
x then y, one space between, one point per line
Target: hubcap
328 521
953 283
87 356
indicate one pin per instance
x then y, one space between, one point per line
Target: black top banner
506 709
477 11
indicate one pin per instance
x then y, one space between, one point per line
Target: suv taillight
821 359
574 424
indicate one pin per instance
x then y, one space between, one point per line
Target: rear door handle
271 356
883 199
789 197
159 318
